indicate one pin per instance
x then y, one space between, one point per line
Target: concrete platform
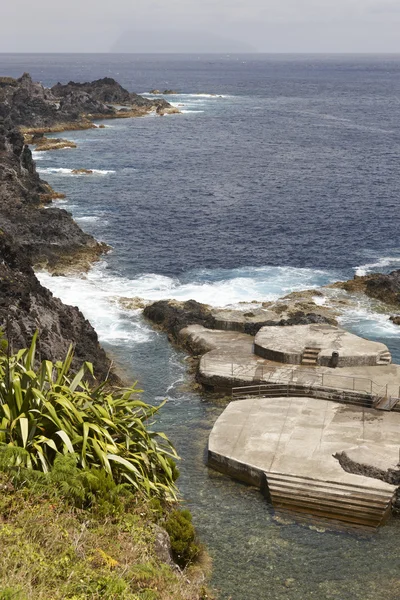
289 345
228 361
286 445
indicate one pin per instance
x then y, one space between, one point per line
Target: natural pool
256 553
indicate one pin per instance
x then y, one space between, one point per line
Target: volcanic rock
380 286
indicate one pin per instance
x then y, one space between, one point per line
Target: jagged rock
380 286
107 91
29 233
167 110
69 106
25 305
395 319
48 235
172 316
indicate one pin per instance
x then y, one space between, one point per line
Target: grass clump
53 549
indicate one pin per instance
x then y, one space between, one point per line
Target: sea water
280 174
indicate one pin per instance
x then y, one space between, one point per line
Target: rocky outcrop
107 91
172 316
380 286
74 105
32 234
26 306
44 144
49 236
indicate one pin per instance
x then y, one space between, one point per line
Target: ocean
281 174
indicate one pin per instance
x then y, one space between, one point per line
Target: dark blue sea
281 173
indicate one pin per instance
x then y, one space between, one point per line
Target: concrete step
384 359
346 503
347 520
332 486
370 503
310 356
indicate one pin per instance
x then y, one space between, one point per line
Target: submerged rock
82 172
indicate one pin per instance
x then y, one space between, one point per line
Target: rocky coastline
35 234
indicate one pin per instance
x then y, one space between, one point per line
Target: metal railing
287 374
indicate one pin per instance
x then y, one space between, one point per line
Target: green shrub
45 413
82 488
183 537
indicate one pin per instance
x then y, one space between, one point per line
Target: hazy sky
200 25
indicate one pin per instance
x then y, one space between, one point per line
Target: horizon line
224 53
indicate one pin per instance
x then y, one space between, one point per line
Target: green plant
46 412
183 537
11 594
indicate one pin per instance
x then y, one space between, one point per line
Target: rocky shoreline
35 234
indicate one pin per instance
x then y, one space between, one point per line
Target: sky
288 26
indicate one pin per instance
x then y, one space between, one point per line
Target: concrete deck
294 439
287 345
228 360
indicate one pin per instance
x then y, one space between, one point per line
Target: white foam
381 263
369 324
192 111
38 155
213 96
97 295
64 171
214 287
88 219
94 296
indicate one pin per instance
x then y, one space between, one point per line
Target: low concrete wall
279 357
236 469
367 360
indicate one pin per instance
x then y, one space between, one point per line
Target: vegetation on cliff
88 491
47 411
